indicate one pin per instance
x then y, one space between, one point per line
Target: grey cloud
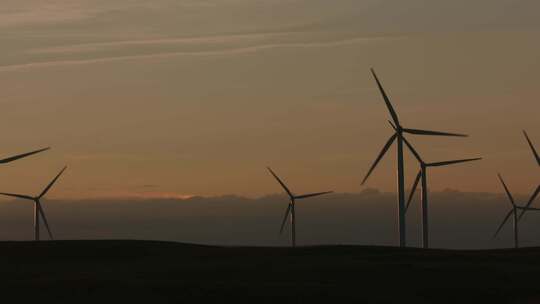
458 220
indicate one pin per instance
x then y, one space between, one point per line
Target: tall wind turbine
532 147
38 209
16 157
291 208
422 174
400 162
514 212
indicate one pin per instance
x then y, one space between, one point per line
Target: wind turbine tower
398 135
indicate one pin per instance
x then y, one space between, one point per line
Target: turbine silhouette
38 208
514 212
422 175
291 207
398 135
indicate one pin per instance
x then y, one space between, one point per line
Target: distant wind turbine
400 162
537 191
514 211
422 174
532 147
531 200
38 208
291 208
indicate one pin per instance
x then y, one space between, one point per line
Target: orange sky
197 97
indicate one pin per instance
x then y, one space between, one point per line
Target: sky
172 99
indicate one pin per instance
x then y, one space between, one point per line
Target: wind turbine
399 130
38 209
532 147
16 157
291 208
514 211
422 174
537 191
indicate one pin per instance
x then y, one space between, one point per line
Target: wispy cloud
139 192
37 12
146 195
104 46
164 55
44 12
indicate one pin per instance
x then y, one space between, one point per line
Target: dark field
160 272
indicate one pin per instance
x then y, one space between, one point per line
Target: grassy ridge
162 272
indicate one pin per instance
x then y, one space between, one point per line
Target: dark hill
161 272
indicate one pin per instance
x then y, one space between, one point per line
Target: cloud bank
458 220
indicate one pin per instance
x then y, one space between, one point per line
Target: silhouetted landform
163 272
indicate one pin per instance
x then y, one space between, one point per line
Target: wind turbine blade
52 183
414 152
532 147
413 189
17 195
281 182
386 99
40 208
380 156
503 222
285 219
16 157
531 200
451 162
434 133
507 191
312 194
